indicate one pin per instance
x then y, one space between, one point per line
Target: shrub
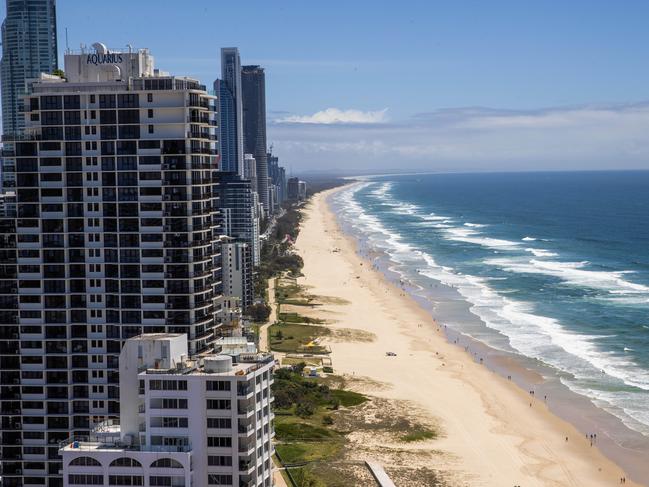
259 312
305 409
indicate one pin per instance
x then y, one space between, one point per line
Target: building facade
296 189
277 178
28 48
237 272
116 234
253 83
238 209
228 88
185 421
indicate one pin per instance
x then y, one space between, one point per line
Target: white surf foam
573 273
541 252
468 235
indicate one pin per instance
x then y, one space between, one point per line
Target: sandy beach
494 433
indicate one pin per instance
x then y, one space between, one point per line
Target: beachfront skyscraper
277 179
238 211
116 235
28 49
253 84
228 89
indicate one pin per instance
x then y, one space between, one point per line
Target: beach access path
264 346
493 433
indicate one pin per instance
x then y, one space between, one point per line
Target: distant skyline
420 86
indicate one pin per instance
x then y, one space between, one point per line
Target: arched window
85 462
125 462
166 463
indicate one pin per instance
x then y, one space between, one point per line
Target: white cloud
470 139
335 115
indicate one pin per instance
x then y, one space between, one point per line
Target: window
164 422
219 461
219 423
125 462
51 102
149 97
219 441
85 462
217 385
166 463
168 385
218 479
125 480
150 113
150 129
219 404
157 480
106 101
128 100
86 479
165 403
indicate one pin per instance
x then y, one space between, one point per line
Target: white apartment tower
184 422
116 234
236 267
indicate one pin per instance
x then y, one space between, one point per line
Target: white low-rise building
184 422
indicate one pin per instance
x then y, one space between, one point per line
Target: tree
259 312
305 409
59 72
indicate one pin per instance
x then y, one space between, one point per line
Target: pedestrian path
379 474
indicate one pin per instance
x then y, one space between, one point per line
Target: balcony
243 410
202 334
247 449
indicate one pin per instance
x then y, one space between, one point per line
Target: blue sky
416 67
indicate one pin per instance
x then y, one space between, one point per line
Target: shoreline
498 434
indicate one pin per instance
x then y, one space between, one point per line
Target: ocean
552 268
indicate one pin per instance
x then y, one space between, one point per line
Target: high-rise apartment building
238 210
116 235
185 421
28 48
228 89
253 84
237 271
296 189
250 170
277 178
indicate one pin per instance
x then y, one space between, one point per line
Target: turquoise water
550 266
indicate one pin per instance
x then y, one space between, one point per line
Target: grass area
298 302
419 436
304 427
291 337
306 452
298 318
302 431
348 398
